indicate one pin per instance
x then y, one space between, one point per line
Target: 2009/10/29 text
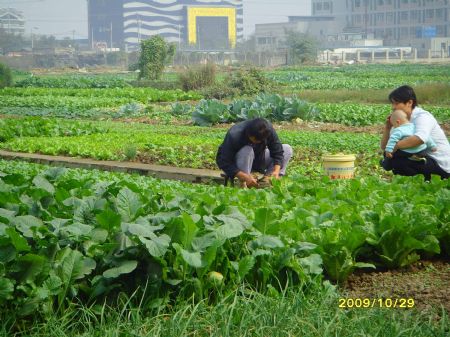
406 303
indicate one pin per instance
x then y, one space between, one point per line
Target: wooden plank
157 171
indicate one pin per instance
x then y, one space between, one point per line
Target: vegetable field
85 249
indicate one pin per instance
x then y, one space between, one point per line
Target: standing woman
438 162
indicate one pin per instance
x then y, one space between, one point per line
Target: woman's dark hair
258 128
402 95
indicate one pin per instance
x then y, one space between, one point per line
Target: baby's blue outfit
406 130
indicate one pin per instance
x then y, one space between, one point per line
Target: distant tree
11 42
5 76
155 54
302 48
247 45
45 42
247 49
116 58
66 42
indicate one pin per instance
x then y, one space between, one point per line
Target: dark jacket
236 139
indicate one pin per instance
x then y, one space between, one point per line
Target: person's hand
276 172
387 124
250 181
389 154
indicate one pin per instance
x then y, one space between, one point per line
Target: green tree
116 58
302 48
155 54
5 76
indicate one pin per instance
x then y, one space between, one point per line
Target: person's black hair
258 128
403 94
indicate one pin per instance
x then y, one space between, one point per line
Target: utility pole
126 55
365 17
32 38
111 37
139 29
198 37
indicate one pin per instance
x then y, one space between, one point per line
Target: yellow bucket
339 166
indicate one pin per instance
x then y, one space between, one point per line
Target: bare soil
302 126
427 282
332 127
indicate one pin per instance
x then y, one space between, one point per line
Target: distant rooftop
18 15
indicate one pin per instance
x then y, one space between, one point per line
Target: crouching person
251 146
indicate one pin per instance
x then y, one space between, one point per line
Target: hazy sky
62 17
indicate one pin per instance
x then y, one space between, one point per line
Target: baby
403 128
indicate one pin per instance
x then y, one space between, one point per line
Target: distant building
105 23
193 24
421 24
403 22
12 21
272 36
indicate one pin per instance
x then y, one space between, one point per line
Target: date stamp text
402 303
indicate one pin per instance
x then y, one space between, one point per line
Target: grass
432 93
311 311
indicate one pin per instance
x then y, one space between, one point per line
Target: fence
273 59
385 56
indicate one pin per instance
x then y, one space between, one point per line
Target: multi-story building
200 24
12 21
402 22
105 23
421 24
272 36
338 9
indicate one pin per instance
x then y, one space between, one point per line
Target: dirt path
303 126
428 283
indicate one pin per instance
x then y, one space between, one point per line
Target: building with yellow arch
191 24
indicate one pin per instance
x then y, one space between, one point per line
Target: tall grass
311 311
198 77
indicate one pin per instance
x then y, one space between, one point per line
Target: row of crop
67 234
359 76
68 103
196 147
85 103
397 74
143 95
321 81
59 112
38 127
73 81
270 106
367 114
209 112
93 103
83 110
278 108
374 70
177 137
